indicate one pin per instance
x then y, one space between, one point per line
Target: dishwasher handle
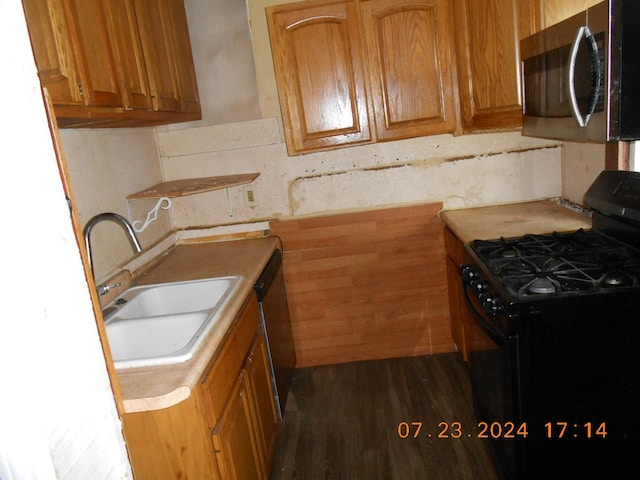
268 275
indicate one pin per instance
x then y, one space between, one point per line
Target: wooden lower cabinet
171 443
260 388
228 427
465 336
460 314
246 436
235 436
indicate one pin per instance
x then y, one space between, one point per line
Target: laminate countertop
153 388
513 220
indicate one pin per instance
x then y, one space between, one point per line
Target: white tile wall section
57 413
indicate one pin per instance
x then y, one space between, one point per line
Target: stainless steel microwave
581 77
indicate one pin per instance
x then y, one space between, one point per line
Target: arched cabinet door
487 41
409 52
319 66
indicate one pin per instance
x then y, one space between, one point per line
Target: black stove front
556 341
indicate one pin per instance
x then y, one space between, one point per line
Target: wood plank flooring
341 422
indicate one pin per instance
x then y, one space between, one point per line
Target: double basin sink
165 323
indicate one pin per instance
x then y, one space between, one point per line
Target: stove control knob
468 273
478 286
491 304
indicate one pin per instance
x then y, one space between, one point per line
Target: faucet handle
103 289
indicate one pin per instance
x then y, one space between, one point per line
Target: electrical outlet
250 198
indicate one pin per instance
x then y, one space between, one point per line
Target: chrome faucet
114 217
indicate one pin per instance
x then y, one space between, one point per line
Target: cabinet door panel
100 80
182 55
53 51
233 439
489 64
156 44
263 398
320 73
410 61
128 52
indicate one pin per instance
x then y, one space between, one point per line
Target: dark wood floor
341 422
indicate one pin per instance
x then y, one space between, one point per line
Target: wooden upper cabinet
72 51
319 68
114 63
355 72
408 43
487 43
53 50
167 47
531 17
181 60
94 51
157 46
130 60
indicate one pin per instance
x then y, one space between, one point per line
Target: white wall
464 171
57 417
106 165
582 163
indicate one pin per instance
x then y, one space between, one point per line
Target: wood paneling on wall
367 285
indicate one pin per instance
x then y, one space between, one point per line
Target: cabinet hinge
80 89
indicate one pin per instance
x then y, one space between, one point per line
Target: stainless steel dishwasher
276 323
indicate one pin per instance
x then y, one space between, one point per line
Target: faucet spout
113 217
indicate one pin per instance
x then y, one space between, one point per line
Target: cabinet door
263 399
457 309
234 438
318 59
182 55
123 27
171 443
409 46
156 44
487 43
53 50
94 52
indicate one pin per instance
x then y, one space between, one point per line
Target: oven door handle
498 337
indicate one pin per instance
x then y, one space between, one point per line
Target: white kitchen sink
165 323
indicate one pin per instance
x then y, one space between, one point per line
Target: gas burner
618 279
613 279
542 286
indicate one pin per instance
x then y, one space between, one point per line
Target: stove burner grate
557 264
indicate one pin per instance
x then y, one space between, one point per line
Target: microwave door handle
582 32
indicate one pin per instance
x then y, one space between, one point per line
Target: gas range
553 338
536 267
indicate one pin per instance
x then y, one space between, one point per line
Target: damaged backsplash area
463 171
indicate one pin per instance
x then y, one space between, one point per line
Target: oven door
493 359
